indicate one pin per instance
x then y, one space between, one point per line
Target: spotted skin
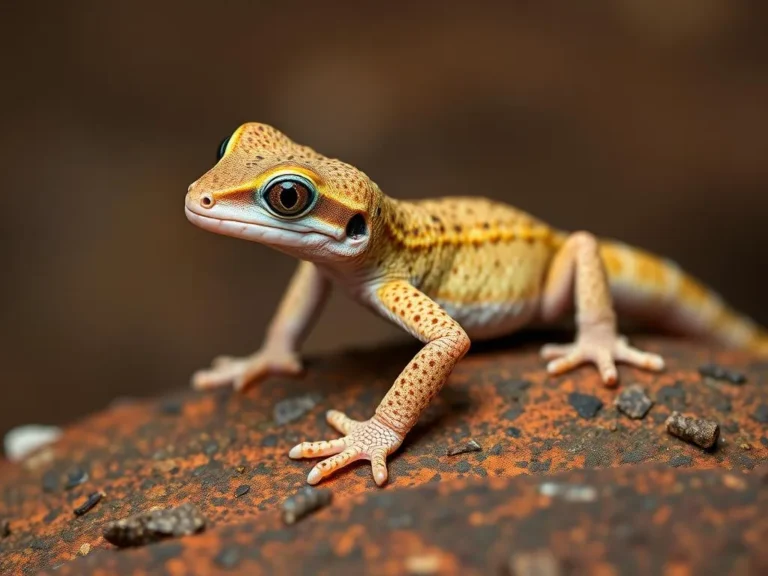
446 271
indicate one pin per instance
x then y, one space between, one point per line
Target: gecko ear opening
356 227
222 148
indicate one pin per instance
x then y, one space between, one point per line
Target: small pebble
304 502
86 506
22 441
240 469
75 477
703 433
586 406
155 525
634 402
242 490
471 446
719 373
292 409
84 549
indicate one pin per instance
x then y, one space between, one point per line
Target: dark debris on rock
304 502
717 372
586 405
155 525
697 431
292 409
633 402
89 503
471 446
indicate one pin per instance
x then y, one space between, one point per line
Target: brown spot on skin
416 318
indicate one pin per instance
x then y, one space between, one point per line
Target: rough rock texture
550 489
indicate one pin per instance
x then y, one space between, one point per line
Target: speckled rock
635 485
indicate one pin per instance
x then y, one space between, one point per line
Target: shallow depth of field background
640 119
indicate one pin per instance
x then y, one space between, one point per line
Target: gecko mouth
213 224
268 233
262 233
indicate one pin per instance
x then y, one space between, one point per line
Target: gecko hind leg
577 274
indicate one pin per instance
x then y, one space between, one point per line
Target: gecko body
447 271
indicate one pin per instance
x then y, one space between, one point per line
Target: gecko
447 271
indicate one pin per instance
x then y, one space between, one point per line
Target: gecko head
268 189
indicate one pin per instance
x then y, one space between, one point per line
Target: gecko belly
491 320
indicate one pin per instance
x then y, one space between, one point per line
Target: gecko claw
601 349
369 440
241 373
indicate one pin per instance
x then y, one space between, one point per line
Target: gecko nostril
206 200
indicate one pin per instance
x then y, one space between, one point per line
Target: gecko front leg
378 437
299 308
577 268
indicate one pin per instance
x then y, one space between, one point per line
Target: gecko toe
553 351
317 449
566 363
370 440
340 421
634 357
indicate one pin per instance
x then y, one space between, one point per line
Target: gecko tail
647 286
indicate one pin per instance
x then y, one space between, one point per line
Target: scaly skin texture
444 270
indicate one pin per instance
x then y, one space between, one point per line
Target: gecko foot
603 348
370 440
242 372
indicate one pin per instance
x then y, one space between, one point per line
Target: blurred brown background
640 119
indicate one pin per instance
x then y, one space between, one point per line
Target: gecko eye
289 197
222 148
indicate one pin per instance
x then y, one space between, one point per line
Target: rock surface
550 489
